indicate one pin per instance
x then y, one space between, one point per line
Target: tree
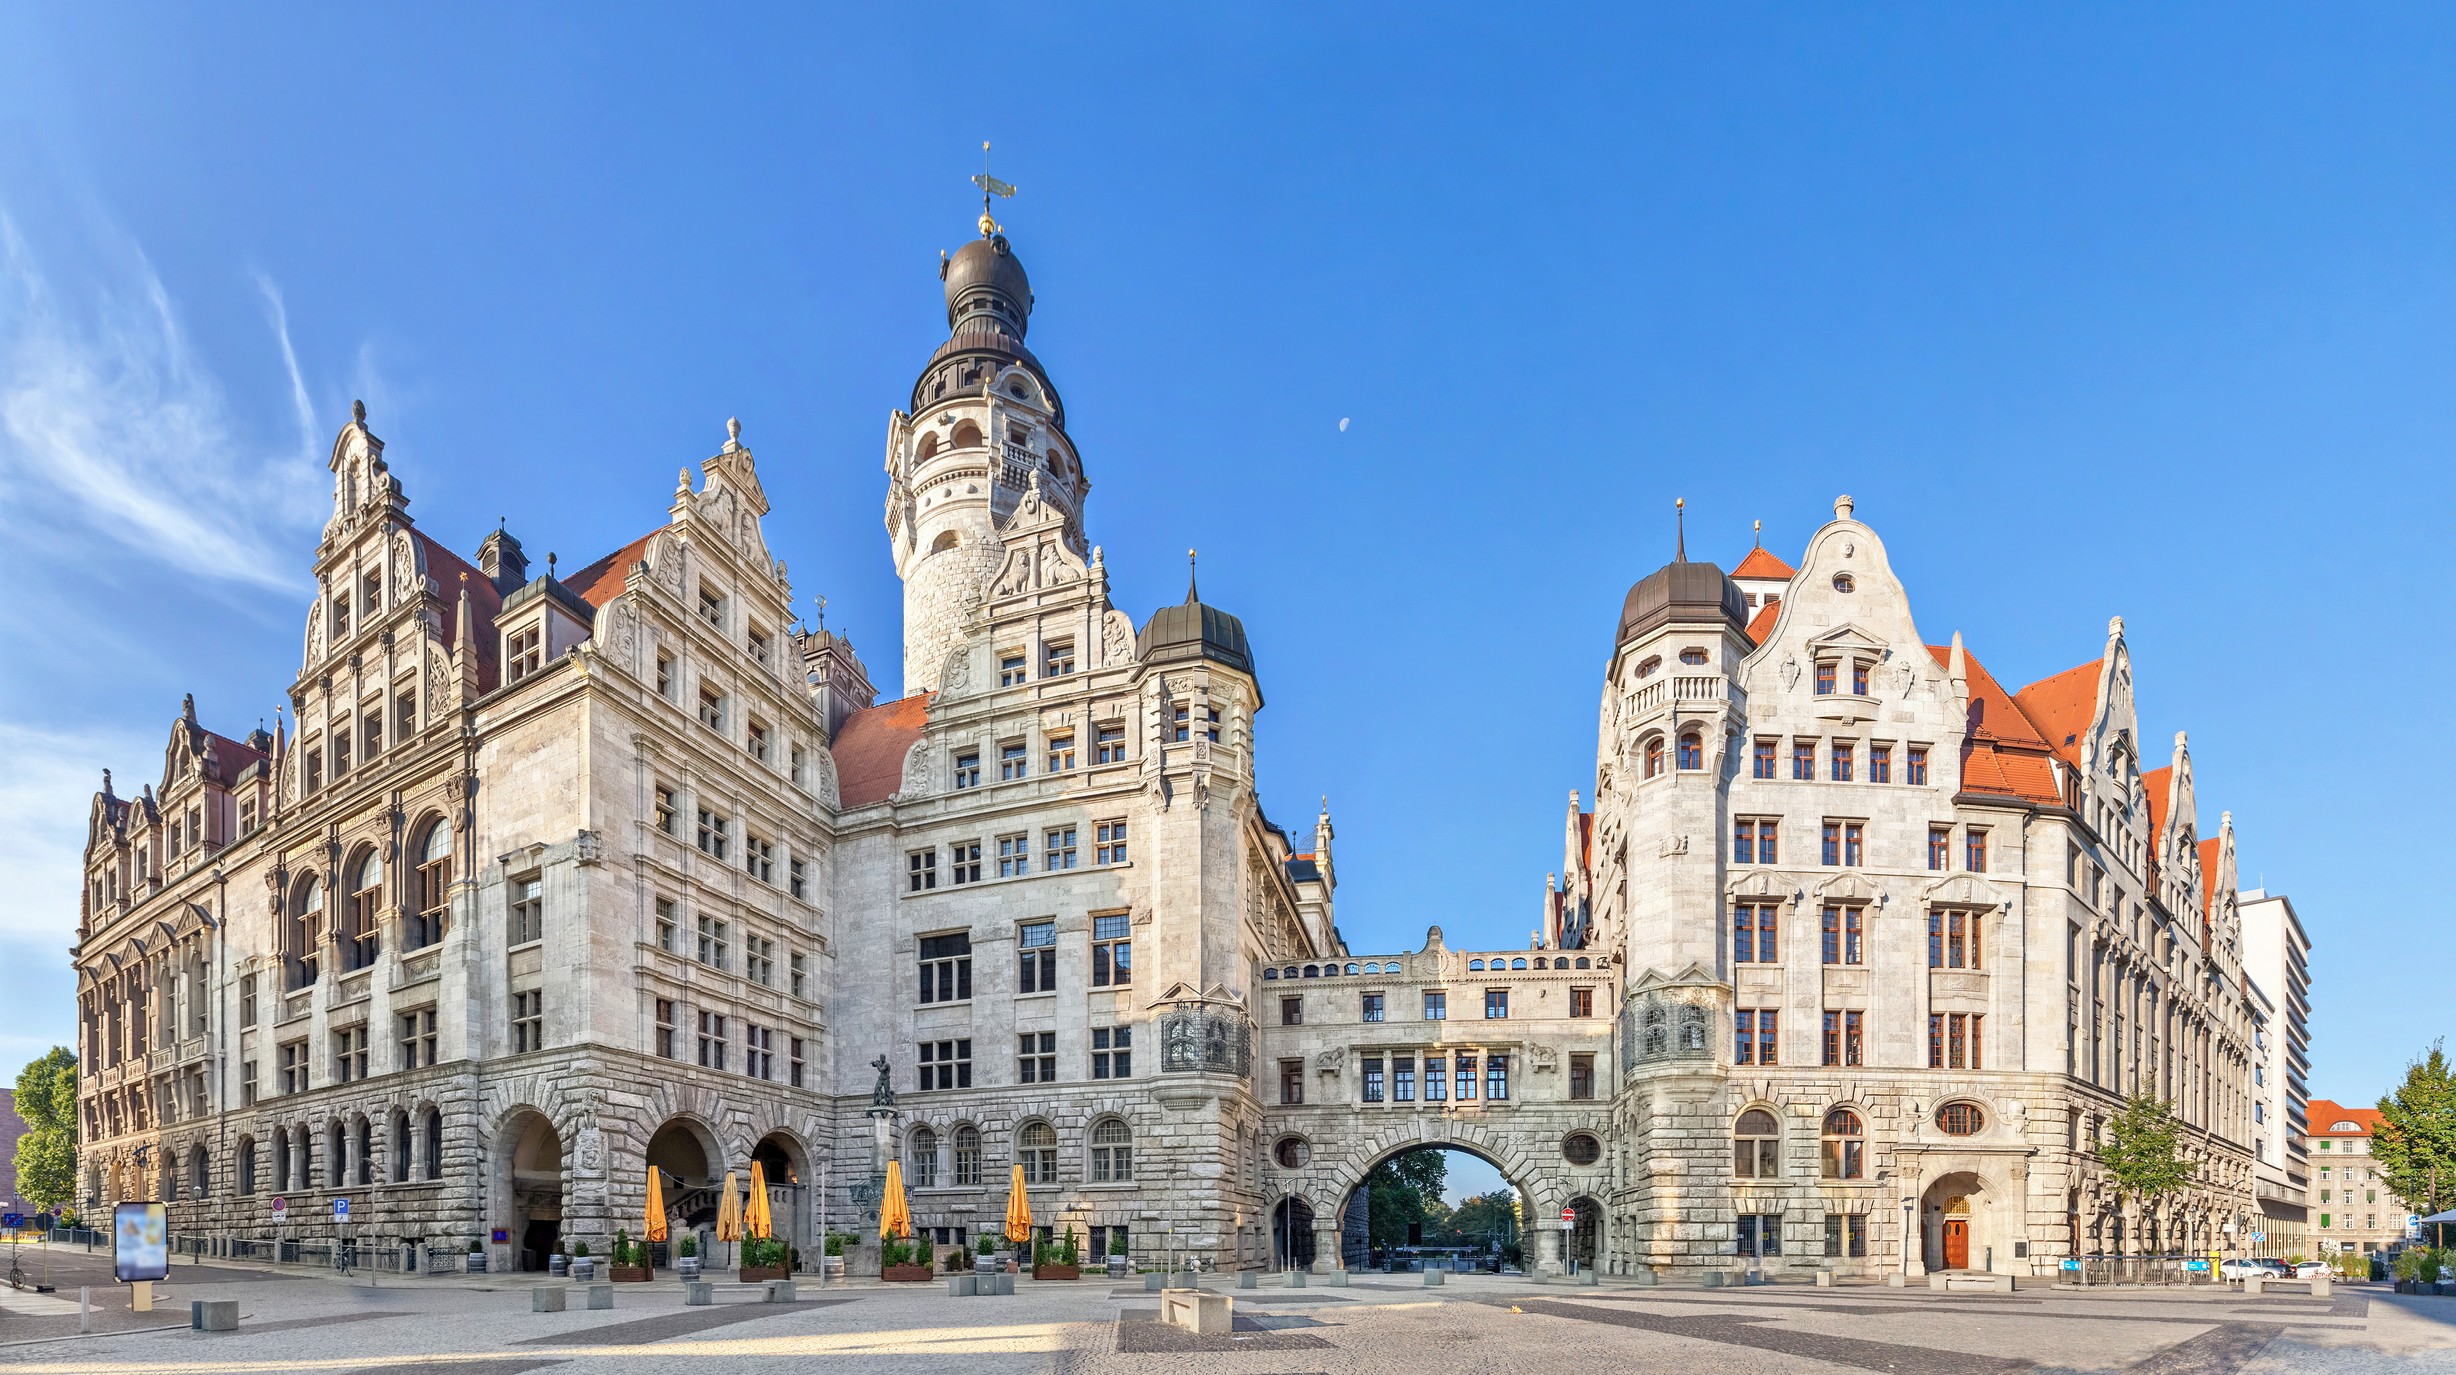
2143 1153
47 1153
1403 1189
1484 1219
2415 1143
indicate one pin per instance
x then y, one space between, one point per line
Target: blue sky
2140 310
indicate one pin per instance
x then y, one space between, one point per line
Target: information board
140 1242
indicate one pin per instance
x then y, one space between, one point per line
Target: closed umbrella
756 1222
894 1213
654 1228
1018 1210
729 1210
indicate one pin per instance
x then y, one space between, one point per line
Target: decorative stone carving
916 771
588 1157
1331 1061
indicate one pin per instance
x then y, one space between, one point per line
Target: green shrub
988 1246
688 1248
1117 1242
958 1258
580 1249
475 1246
1066 1252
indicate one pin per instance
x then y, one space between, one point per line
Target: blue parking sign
341 1210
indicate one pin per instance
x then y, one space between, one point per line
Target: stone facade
549 881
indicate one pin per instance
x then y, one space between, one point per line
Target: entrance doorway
1585 1233
1292 1235
533 1188
1957 1243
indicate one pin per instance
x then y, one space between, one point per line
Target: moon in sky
1343 424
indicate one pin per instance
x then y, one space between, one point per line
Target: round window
1960 1119
1842 583
1581 1149
1291 1153
1692 656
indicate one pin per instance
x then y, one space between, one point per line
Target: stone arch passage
1531 1231
528 1185
684 1151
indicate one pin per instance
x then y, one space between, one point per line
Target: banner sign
140 1242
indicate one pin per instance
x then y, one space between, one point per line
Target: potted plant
477 1257
831 1263
985 1256
686 1259
957 1258
764 1258
558 1260
902 1260
583 1268
1117 1252
630 1261
1058 1262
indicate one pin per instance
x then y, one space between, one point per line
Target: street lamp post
1909 1205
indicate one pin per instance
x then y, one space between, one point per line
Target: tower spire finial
1760 532
990 186
1679 508
1190 597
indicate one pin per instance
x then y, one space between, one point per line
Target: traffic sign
281 1208
2259 1236
12 1221
2072 1265
341 1210
1569 1214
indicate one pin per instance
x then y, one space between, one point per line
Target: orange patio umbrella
756 1222
654 1228
729 1210
1018 1210
894 1213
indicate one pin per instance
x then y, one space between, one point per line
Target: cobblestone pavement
316 1325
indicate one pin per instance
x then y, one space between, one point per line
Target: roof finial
549 563
733 432
821 602
358 413
1190 598
990 186
1679 507
1760 534
1842 507
106 782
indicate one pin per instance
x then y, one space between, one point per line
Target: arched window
361 934
967 435
1658 1030
434 1143
1654 755
1756 1146
170 1177
400 1146
281 1159
1647 669
967 1156
1960 1119
1288 973
1518 963
1036 1151
364 1172
1271 973
200 1172
1112 1152
1692 656
1842 583
1475 964
303 934
247 1165
1581 962
921 1149
927 449
1351 968
336 1156
432 885
1692 750
1539 962
1313 971
946 540
1845 1150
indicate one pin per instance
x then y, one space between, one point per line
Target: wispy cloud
45 793
110 425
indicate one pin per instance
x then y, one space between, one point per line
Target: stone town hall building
550 878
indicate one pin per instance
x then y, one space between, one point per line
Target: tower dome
1681 591
984 278
989 308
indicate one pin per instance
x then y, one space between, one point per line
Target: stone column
1548 1250
1326 1257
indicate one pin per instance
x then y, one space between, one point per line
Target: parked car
2277 1267
2243 1267
2310 1270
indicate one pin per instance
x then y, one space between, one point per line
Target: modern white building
2277 961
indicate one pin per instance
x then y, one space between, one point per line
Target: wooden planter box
630 1274
757 1274
907 1274
1057 1272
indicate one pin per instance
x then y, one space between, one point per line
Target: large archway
1585 1234
1292 1245
529 1182
1961 1230
1400 1215
684 1153
786 1166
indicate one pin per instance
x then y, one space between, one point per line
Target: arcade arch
528 1185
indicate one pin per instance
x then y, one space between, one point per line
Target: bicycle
345 1256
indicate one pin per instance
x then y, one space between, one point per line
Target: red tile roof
232 757
609 577
2063 707
2324 1114
870 749
1760 564
1762 624
447 569
2155 784
2004 754
2208 879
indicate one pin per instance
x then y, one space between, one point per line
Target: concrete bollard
1589 1276
546 1298
1005 1280
1248 1280
1895 1279
1296 1279
2322 1287
1434 1279
1152 1282
1336 1279
777 1291
85 1306
601 1295
214 1315
963 1286
698 1293
2253 1285
1824 1279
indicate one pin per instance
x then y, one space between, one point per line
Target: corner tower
984 425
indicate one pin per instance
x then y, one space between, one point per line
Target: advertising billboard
140 1242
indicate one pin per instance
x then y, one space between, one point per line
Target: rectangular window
1109 843
1464 1062
1014 761
1496 1078
759 960
1756 1041
712 709
797 879
964 861
1953 1040
1496 1004
1853 853
1291 1010
1112 1052
968 769
341 753
1292 1081
1036 962
341 617
1803 761
1109 744
1436 1079
662 810
247 1085
714 834
1851 1039
528 1021
1939 846
758 858
714 943
1831 1042
1581 1002
1057 659
371 729
1833 842
758 1051
946 968
712 1040
1112 951
1061 752
417 1039
1436 1005
1859 677
527 918
1372 1007
1058 849
794 1069
1880 763
920 871
712 606
1014 856
1755 841
1581 1077
1036 1057
315 769
1917 772
1845 758
294 1067
1403 1079
247 1000
522 655
667 1028
1825 677
755 740
1841 930
1761 760
349 1054
1976 858
799 965
757 641
1372 1079
1753 939
1010 670
665 675
1952 939
946 1064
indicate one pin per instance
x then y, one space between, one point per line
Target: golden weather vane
990 186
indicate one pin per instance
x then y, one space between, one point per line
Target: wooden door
1956 1244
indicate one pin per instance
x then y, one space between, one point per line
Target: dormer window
712 606
524 653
